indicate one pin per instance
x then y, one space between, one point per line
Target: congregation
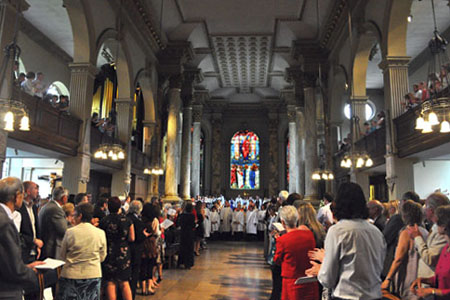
349 249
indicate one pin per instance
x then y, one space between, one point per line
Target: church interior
214 99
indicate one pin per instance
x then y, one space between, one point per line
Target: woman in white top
83 249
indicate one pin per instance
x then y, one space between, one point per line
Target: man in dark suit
53 224
376 214
29 227
15 276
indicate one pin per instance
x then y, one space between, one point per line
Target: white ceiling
51 18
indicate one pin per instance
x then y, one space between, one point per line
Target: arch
123 68
245 161
143 78
395 28
58 88
82 29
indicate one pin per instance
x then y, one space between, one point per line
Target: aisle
224 271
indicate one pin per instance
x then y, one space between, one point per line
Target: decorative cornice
311 53
394 61
41 39
334 20
83 68
173 58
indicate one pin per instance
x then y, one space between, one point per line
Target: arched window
58 88
244 162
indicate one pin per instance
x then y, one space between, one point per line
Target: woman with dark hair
354 249
117 265
200 228
187 223
83 249
403 270
150 215
440 282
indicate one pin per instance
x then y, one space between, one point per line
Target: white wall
32 168
431 175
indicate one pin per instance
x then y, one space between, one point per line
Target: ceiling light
409 18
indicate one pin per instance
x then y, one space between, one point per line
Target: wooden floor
224 271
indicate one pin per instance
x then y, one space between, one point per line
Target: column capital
17 5
149 124
288 96
176 81
291 113
358 99
309 80
294 75
197 112
174 56
394 61
83 67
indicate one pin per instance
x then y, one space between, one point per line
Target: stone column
311 161
196 136
399 172
178 146
273 153
8 13
155 156
293 166
171 193
301 154
216 160
186 154
76 169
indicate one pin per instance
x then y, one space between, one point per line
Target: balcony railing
50 128
409 140
374 144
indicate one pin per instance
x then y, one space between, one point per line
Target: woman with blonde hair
307 217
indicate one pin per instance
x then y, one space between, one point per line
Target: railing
374 144
409 140
50 128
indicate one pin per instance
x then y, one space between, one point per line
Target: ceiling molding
334 20
41 39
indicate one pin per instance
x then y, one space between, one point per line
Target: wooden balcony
50 128
374 144
139 161
409 140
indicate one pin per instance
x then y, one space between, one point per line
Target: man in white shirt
325 215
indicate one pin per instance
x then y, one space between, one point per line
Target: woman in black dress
200 228
187 223
117 266
148 264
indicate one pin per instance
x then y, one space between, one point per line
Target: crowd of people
421 92
349 249
34 84
104 125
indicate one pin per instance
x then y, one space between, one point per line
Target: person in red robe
292 254
245 148
233 175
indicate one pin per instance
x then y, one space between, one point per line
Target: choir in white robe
207 222
252 221
261 216
215 221
238 221
225 219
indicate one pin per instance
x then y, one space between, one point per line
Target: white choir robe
261 216
207 223
215 221
252 221
225 219
238 221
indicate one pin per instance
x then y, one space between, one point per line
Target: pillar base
171 199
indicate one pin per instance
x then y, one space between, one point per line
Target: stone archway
395 28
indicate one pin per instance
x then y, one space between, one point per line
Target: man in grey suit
15 276
53 224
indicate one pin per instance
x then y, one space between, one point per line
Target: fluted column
311 161
171 193
301 155
196 136
76 169
293 167
186 154
399 172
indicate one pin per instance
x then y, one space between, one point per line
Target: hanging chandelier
359 160
110 151
154 171
13 110
322 175
436 108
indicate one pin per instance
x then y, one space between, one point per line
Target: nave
223 271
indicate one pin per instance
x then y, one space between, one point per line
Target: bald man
376 214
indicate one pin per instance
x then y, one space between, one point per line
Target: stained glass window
244 162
